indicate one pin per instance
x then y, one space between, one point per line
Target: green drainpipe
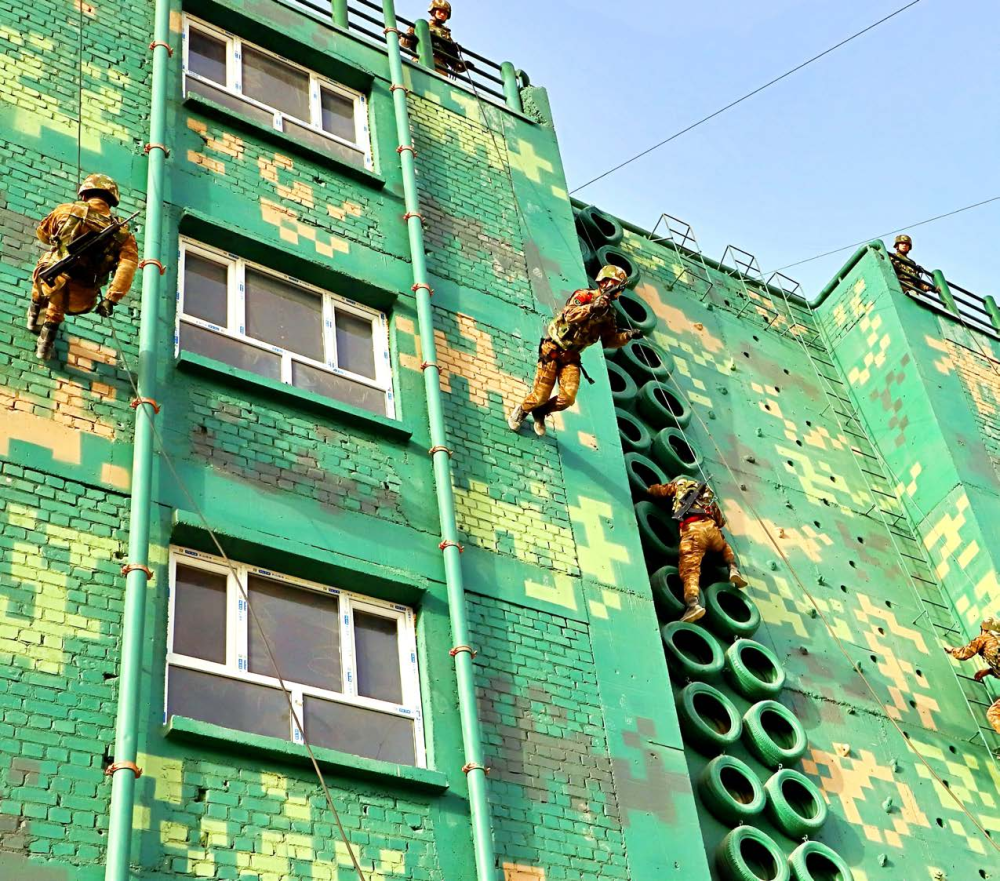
339 9
511 88
991 307
482 833
130 712
425 43
944 292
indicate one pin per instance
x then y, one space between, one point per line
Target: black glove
635 334
105 308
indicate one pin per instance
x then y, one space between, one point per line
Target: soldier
987 645
447 55
907 270
77 290
586 319
701 520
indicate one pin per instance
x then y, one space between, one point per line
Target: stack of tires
743 742
600 235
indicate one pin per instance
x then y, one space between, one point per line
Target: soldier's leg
993 716
55 314
545 380
569 385
721 546
692 553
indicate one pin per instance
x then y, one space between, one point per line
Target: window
236 74
249 317
349 662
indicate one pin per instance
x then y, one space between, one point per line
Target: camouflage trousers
553 366
993 716
65 297
698 538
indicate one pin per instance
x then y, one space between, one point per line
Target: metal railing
934 290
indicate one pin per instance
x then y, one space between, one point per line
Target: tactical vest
95 268
705 504
566 335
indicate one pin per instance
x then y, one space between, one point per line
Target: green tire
773 734
731 791
729 612
668 593
598 228
642 474
692 653
754 671
609 255
624 389
709 720
674 454
658 533
795 804
586 252
633 312
747 854
635 437
644 361
813 861
660 406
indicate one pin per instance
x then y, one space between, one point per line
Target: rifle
689 501
79 248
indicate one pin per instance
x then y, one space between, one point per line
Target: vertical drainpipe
482 833
124 771
511 89
991 307
944 291
425 43
339 9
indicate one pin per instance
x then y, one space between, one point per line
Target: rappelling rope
246 599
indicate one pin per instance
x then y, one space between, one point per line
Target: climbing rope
246 599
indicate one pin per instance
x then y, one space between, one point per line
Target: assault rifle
689 501
79 248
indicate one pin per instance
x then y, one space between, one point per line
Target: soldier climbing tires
753 670
642 474
709 720
729 612
643 361
624 390
660 407
731 791
813 861
598 228
658 533
692 653
635 437
674 454
773 735
747 854
795 804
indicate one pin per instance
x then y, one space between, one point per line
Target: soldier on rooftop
987 646
586 318
907 270
447 53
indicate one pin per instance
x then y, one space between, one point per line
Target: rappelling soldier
987 646
587 318
907 270
701 520
447 53
88 246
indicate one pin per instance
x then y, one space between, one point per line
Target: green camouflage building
321 424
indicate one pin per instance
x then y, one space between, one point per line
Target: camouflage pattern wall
592 776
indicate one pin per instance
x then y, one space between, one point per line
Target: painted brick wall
553 800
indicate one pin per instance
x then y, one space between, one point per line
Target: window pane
229 351
276 84
284 315
228 702
227 99
355 350
205 289
200 614
338 115
312 138
207 56
359 731
376 644
303 629
339 388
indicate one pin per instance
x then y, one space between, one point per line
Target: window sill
194 363
180 728
225 114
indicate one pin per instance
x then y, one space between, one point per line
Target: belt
693 519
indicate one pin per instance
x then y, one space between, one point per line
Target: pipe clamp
123 766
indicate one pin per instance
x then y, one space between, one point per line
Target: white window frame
332 303
234 86
238 622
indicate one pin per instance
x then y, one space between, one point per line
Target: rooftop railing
934 290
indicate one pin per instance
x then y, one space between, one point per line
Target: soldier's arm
49 228
662 491
128 263
966 651
718 516
613 338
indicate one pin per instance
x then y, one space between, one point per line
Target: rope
746 97
246 598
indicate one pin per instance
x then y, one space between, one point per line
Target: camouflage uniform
987 645
701 533
907 270
447 55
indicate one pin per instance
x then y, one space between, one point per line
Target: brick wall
550 786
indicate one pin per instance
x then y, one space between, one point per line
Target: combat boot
695 612
46 341
539 425
516 418
34 313
736 577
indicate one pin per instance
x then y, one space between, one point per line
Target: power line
890 233
746 97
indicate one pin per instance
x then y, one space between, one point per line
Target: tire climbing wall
828 737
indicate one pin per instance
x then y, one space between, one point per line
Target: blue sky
898 126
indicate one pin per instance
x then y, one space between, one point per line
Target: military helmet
100 183
440 4
992 624
904 240
613 273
